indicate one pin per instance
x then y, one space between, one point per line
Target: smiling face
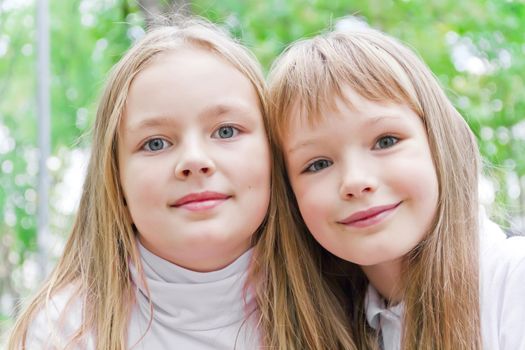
194 160
364 179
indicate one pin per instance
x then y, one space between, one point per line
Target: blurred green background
476 48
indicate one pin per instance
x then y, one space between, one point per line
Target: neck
201 258
386 278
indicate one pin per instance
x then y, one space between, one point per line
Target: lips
369 216
201 201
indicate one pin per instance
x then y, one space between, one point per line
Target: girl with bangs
171 247
383 173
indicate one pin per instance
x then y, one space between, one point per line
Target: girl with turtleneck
176 195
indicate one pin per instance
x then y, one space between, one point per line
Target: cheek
413 173
141 187
430 195
314 202
252 165
422 187
425 183
126 183
252 181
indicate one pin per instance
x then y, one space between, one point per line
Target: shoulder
501 255
57 322
502 277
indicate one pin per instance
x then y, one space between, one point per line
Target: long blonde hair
298 309
101 245
441 293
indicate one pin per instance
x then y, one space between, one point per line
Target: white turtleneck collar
192 310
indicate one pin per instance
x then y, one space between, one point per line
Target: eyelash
327 163
309 167
391 137
146 146
236 131
166 143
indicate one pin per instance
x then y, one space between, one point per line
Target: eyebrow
300 145
213 111
209 112
150 122
379 118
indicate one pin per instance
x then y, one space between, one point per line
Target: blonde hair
101 246
441 293
298 309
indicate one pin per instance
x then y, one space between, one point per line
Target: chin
371 260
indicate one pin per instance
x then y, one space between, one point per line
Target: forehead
349 113
185 66
300 115
186 61
188 81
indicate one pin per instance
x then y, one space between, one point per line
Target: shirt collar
375 308
188 300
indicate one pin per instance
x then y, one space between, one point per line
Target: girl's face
364 179
194 159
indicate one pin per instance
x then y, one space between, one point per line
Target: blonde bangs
310 76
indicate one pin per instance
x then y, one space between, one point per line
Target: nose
195 160
358 181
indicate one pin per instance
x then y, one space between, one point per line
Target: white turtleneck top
191 310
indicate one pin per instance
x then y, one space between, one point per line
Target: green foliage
86 43
476 49
86 38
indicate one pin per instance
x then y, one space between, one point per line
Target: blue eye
226 132
318 165
386 142
155 145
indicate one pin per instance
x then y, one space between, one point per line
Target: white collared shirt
386 320
502 295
